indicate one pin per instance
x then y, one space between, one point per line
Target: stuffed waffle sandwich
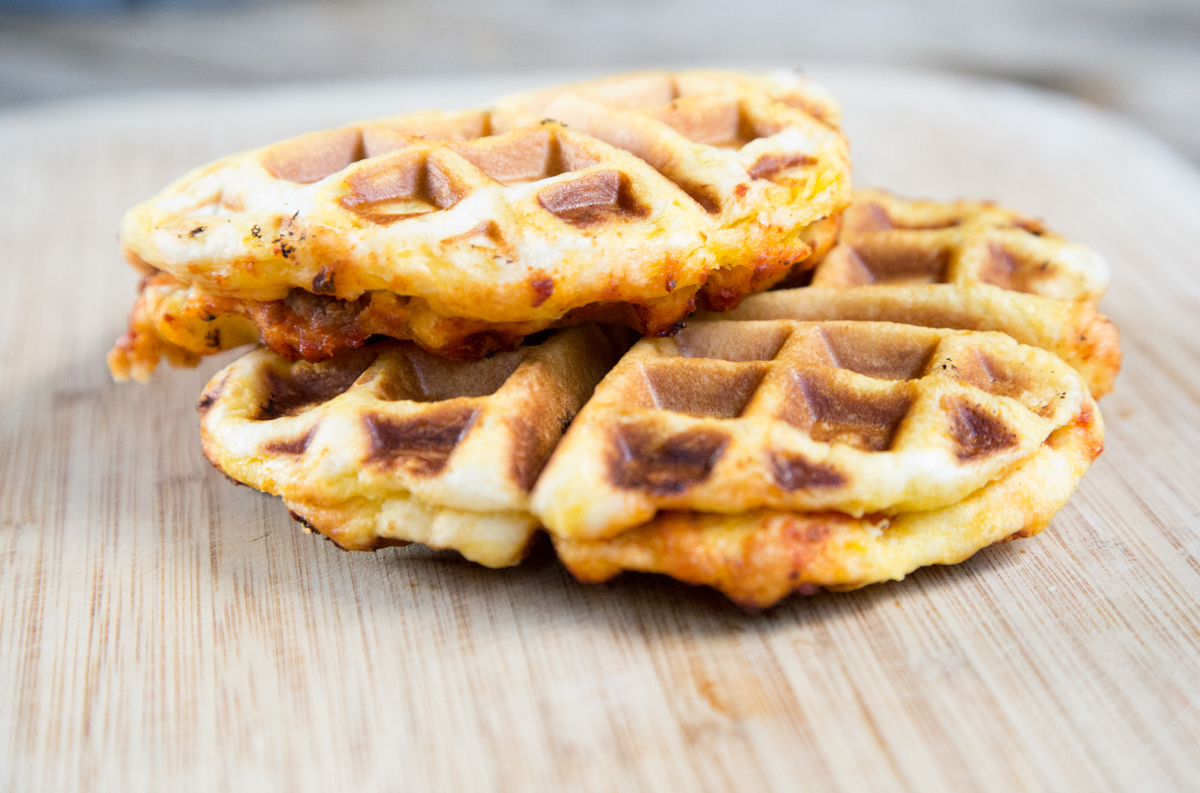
387 444
763 458
630 199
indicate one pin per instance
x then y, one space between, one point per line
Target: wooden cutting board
161 629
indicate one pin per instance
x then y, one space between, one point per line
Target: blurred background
1141 59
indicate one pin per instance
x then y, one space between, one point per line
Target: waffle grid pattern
856 417
554 217
890 240
758 557
378 443
467 231
964 265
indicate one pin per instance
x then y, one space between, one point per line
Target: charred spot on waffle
795 472
770 165
542 289
533 441
705 195
975 432
322 283
205 404
296 516
422 444
596 197
210 397
291 446
639 461
305 387
865 422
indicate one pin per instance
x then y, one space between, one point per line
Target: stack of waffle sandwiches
644 315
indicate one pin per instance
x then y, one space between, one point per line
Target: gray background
1141 59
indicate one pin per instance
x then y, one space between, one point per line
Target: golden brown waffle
1073 330
964 265
706 131
388 444
759 557
889 240
467 231
857 417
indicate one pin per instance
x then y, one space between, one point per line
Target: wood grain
161 629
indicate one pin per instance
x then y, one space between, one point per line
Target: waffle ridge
388 443
857 417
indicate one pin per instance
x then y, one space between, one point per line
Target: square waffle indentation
642 458
713 121
883 355
400 186
898 260
734 342
986 373
389 134
418 376
710 389
522 156
867 216
723 122
421 444
817 406
308 386
592 198
310 158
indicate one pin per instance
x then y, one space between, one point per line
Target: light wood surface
161 629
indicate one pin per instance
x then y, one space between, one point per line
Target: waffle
964 265
388 444
706 131
470 230
759 557
857 417
1074 331
889 240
